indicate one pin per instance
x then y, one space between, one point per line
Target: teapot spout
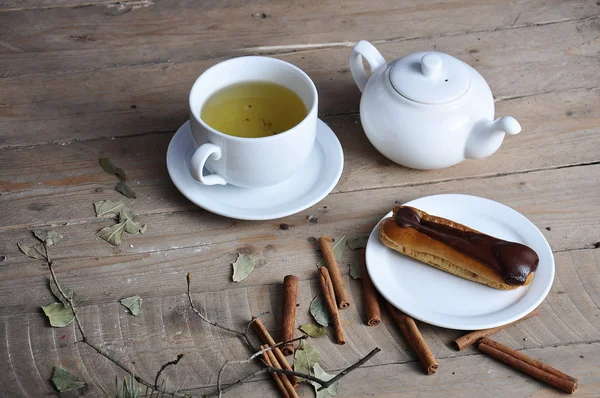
486 136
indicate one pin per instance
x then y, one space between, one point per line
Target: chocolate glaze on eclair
513 262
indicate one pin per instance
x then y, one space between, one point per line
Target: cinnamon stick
531 366
289 388
266 338
525 358
288 318
334 270
369 293
329 296
276 376
415 339
470 338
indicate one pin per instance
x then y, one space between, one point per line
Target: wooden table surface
81 80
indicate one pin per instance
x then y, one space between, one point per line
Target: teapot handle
364 49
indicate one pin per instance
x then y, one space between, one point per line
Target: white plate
442 299
305 188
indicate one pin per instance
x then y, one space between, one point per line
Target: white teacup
251 162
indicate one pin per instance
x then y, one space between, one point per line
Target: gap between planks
308 48
324 115
301 48
331 83
215 243
81 5
407 185
345 272
415 360
466 178
387 326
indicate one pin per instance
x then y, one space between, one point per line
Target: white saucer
442 299
307 187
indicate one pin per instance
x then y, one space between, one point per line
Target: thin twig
350 368
205 319
84 339
243 335
154 387
118 363
247 331
286 372
166 365
254 318
256 354
69 299
245 379
269 348
219 378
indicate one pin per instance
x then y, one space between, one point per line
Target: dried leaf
50 237
112 234
314 330
358 243
305 358
133 304
58 315
355 269
36 251
77 299
132 227
318 309
65 381
104 207
321 374
125 189
126 214
112 169
339 245
242 267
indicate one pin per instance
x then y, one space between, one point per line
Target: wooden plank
85 38
556 127
21 5
59 183
154 98
10 380
167 326
212 236
19 338
473 376
206 245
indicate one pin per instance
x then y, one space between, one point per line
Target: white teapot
427 110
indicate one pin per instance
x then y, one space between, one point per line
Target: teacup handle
364 49
198 161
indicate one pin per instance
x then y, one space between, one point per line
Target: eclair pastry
458 249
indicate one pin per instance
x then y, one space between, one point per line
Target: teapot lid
430 77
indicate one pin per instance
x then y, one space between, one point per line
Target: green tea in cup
253 109
253 96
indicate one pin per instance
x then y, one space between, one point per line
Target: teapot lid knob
431 65
430 77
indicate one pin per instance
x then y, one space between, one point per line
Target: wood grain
157 267
464 377
83 79
137 32
167 326
23 5
154 98
59 183
169 228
